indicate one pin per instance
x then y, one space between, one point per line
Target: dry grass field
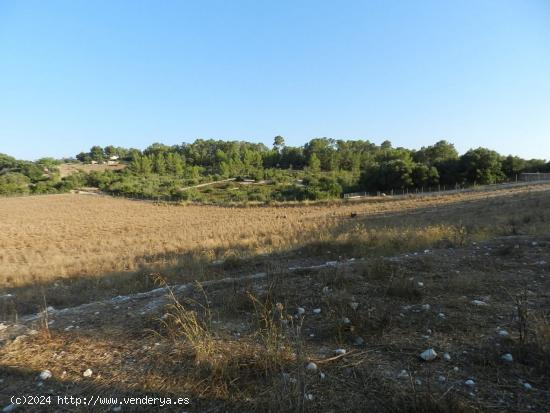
111 246
466 275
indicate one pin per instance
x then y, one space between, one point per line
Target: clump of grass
184 322
272 322
405 289
232 262
541 333
379 269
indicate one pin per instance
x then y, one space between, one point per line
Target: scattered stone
420 284
117 409
470 383
527 386
88 373
354 305
429 331
446 357
317 311
503 333
442 379
309 397
311 366
507 357
403 374
326 290
300 311
9 408
45 375
346 320
418 382
340 351
426 307
479 302
428 355
534 243
322 375
441 315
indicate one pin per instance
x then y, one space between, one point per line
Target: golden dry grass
224 347
49 237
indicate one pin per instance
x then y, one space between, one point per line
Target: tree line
322 168
377 167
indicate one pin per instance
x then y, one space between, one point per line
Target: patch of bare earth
248 344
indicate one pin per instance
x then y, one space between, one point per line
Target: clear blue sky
129 73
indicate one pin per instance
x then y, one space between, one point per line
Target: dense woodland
321 169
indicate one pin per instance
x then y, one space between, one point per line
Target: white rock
88 373
420 284
309 397
470 383
346 320
442 379
426 307
507 357
527 386
9 408
317 311
418 382
311 366
354 305
428 355
403 374
446 357
455 368
300 311
503 333
479 302
322 375
45 375
326 290
441 315
340 351
117 409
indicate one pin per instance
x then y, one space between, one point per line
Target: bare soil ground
403 305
